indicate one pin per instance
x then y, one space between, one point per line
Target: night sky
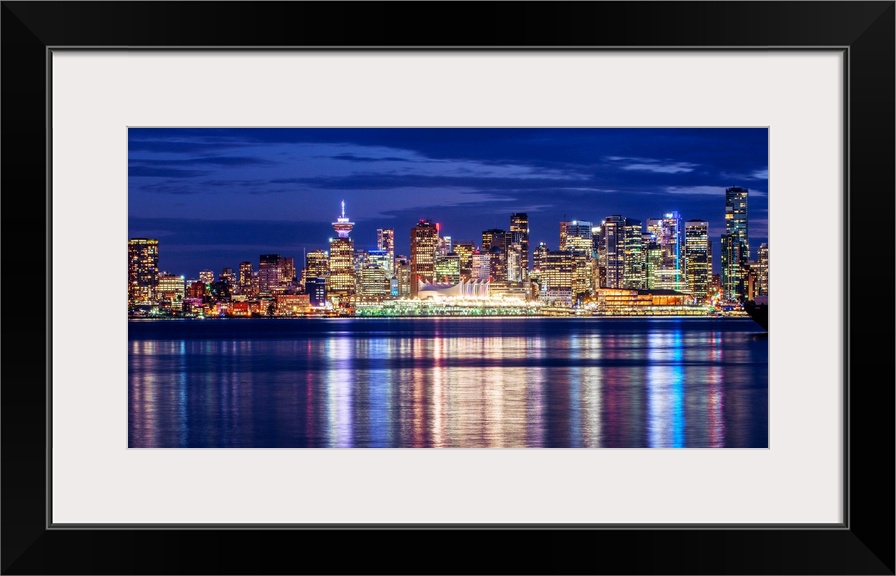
217 197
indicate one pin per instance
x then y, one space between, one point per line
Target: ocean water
448 383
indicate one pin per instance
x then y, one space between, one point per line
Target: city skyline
218 197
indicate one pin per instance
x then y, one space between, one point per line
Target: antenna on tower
343 208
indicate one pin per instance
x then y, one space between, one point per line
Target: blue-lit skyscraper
735 243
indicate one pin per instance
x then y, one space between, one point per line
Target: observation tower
342 226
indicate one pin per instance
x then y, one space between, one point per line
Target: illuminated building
287 270
268 274
341 281
424 247
629 302
762 256
316 289
464 251
495 243
735 243
698 257
519 240
447 268
291 304
403 277
445 245
143 270
539 257
374 283
557 277
206 276
171 292
385 240
575 236
462 289
481 268
668 272
317 264
228 277
621 253
246 276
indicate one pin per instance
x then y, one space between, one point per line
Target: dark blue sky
217 197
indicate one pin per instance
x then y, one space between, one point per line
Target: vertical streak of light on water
339 392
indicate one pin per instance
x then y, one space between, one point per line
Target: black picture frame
864 544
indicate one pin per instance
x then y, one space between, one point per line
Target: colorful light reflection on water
453 383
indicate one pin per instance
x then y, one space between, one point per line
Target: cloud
653 165
760 174
707 191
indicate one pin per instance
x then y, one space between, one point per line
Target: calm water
551 382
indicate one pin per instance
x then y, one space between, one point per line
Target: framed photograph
210 137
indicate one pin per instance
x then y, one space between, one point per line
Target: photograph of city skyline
448 287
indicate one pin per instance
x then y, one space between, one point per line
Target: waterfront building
668 272
341 283
403 276
424 247
287 271
576 237
519 239
539 257
620 253
228 276
385 240
558 277
374 283
464 251
447 268
245 281
762 257
291 304
698 257
735 243
316 290
268 274
171 292
481 265
629 302
143 270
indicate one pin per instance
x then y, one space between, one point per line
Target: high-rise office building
424 247
464 251
558 277
268 274
481 269
287 270
385 240
669 272
171 292
575 236
246 278
143 270
762 256
341 282
698 257
621 254
206 277
519 241
447 268
735 243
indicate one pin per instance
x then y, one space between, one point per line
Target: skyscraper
622 254
519 241
424 247
143 270
669 272
762 256
246 275
385 240
575 236
698 256
341 281
268 274
735 243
